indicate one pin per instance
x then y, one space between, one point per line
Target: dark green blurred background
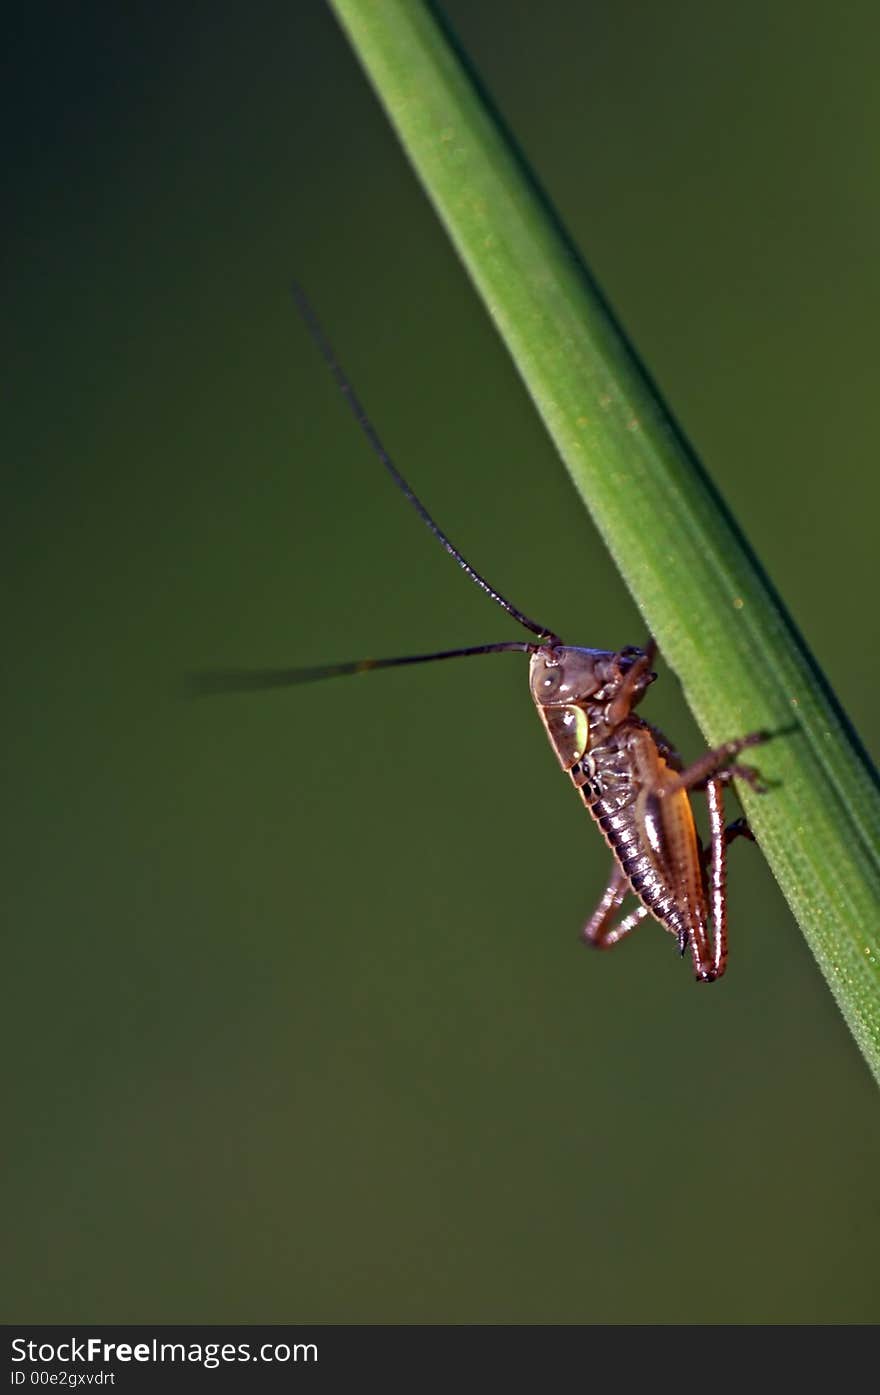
300 1028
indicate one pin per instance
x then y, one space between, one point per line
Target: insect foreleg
632 684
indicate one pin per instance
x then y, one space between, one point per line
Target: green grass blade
704 596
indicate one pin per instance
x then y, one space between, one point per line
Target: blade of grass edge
718 621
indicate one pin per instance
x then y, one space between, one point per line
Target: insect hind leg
714 863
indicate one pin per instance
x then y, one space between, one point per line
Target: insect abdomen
617 797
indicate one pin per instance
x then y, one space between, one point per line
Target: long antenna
314 327
243 680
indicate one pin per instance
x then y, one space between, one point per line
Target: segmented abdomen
618 799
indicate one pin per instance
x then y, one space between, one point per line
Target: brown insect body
634 785
627 774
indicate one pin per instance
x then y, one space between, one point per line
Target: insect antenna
344 384
245 680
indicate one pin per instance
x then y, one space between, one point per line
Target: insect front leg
631 686
598 930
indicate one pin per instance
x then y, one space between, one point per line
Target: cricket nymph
634 785
627 774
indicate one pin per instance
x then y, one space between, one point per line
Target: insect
629 778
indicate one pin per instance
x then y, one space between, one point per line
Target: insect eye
550 680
